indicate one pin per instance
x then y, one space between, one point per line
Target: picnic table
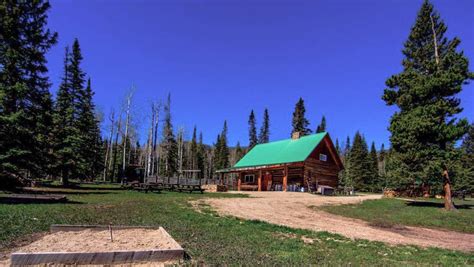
190 188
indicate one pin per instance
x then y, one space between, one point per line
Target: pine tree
253 140
194 150
425 129
322 126
77 133
382 164
360 166
169 146
264 136
217 153
300 123
66 134
344 177
338 149
221 158
374 181
91 140
25 100
201 152
239 152
464 178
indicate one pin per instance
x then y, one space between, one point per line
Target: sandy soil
297 210
99 241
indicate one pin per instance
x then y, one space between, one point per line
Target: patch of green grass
209 238
419 212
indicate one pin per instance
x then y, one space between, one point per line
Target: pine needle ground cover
428 213
207 237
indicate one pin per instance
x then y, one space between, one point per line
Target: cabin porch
272 178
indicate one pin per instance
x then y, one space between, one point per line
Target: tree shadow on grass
430 204
15 200
64 191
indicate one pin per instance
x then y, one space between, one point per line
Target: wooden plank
112 257
260 180
239 182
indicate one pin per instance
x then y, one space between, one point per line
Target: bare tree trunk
127 121
155 137
108 150
115 148
434 40
448 200
149 160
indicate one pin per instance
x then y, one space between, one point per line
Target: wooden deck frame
100 258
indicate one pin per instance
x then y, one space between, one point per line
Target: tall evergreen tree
253 139
65 132
239 152
322 126
425 129
201 152
91 140
221 158
264 136
77 134
169 146
360 165
464 178
299 122
338 149
25 101
194 150
374 181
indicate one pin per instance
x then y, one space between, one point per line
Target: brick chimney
295 135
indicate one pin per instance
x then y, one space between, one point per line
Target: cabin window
323 157
249 178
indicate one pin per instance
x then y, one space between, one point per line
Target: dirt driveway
293 210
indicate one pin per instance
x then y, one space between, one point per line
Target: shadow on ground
417 203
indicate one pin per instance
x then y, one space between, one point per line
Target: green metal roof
279 152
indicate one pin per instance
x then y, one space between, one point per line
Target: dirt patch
298 210
99 241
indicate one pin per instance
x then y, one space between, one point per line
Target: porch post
285 178
260 180
239 182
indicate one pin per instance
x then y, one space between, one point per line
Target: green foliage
221 151
425 128
25 101
253 139
423 213
239 152
210 239
374 183
264 136
77 138
299 122
201 150
464 167
322 126
169 146
359 166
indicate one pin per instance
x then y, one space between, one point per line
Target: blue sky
220 59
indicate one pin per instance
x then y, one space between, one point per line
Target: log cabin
298 164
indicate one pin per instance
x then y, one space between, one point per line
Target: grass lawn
211 239
420 212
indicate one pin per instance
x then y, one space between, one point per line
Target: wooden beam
285 178
239 182
260 180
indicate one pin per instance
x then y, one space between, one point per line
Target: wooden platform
32 198
174 254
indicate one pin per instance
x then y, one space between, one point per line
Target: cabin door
267 182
